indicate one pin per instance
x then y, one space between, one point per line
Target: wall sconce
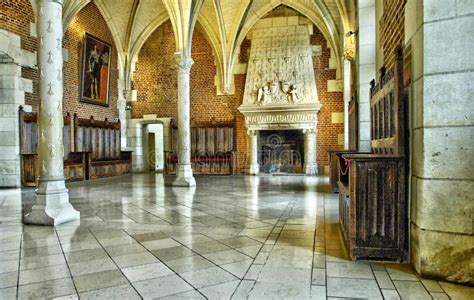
349 33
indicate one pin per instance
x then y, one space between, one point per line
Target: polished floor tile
144 272
47 289
189 263
353 288
162 286
125 291
207 277
99 280
130 260
230 237
91 266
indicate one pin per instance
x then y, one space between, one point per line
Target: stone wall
18 17
441 36
16 57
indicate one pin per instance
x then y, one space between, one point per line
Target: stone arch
201 26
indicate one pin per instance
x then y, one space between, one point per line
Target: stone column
347 99
184 172
52 198
365 63
252 152
310 165
441 34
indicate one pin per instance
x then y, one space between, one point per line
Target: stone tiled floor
231 237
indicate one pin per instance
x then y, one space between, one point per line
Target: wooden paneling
212 149
74 163
101 141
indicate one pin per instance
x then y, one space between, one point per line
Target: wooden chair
373 187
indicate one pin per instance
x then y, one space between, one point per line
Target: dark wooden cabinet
373 206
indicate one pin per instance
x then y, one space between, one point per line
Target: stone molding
184 63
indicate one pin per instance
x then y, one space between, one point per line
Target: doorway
154 147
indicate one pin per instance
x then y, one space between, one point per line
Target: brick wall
392 29
156 82
17 15
156 79
91 21
328 132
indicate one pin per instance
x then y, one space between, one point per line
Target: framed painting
95 71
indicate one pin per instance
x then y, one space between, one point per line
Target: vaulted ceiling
224 22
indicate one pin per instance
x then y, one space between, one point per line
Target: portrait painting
95 75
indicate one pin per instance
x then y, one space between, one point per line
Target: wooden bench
335 167
336 155
373 208
101 141
75 167
212 149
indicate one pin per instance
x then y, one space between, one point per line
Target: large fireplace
281 151
281 97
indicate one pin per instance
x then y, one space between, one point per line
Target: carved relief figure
294 93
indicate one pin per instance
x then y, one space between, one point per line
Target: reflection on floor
231 237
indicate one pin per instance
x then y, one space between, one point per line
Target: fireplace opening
281 151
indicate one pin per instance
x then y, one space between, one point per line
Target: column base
184 176
253 169
52 205
311 169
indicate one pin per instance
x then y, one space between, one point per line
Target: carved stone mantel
299 116
302 116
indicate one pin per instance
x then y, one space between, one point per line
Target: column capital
60 2
183 62
310 131
252 132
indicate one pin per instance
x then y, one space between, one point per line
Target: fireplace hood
280 88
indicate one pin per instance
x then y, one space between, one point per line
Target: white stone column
365 63
310 164
184 172
52 198
252 152
347 99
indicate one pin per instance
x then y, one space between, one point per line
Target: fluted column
310 165
52 198
184 172
252 152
